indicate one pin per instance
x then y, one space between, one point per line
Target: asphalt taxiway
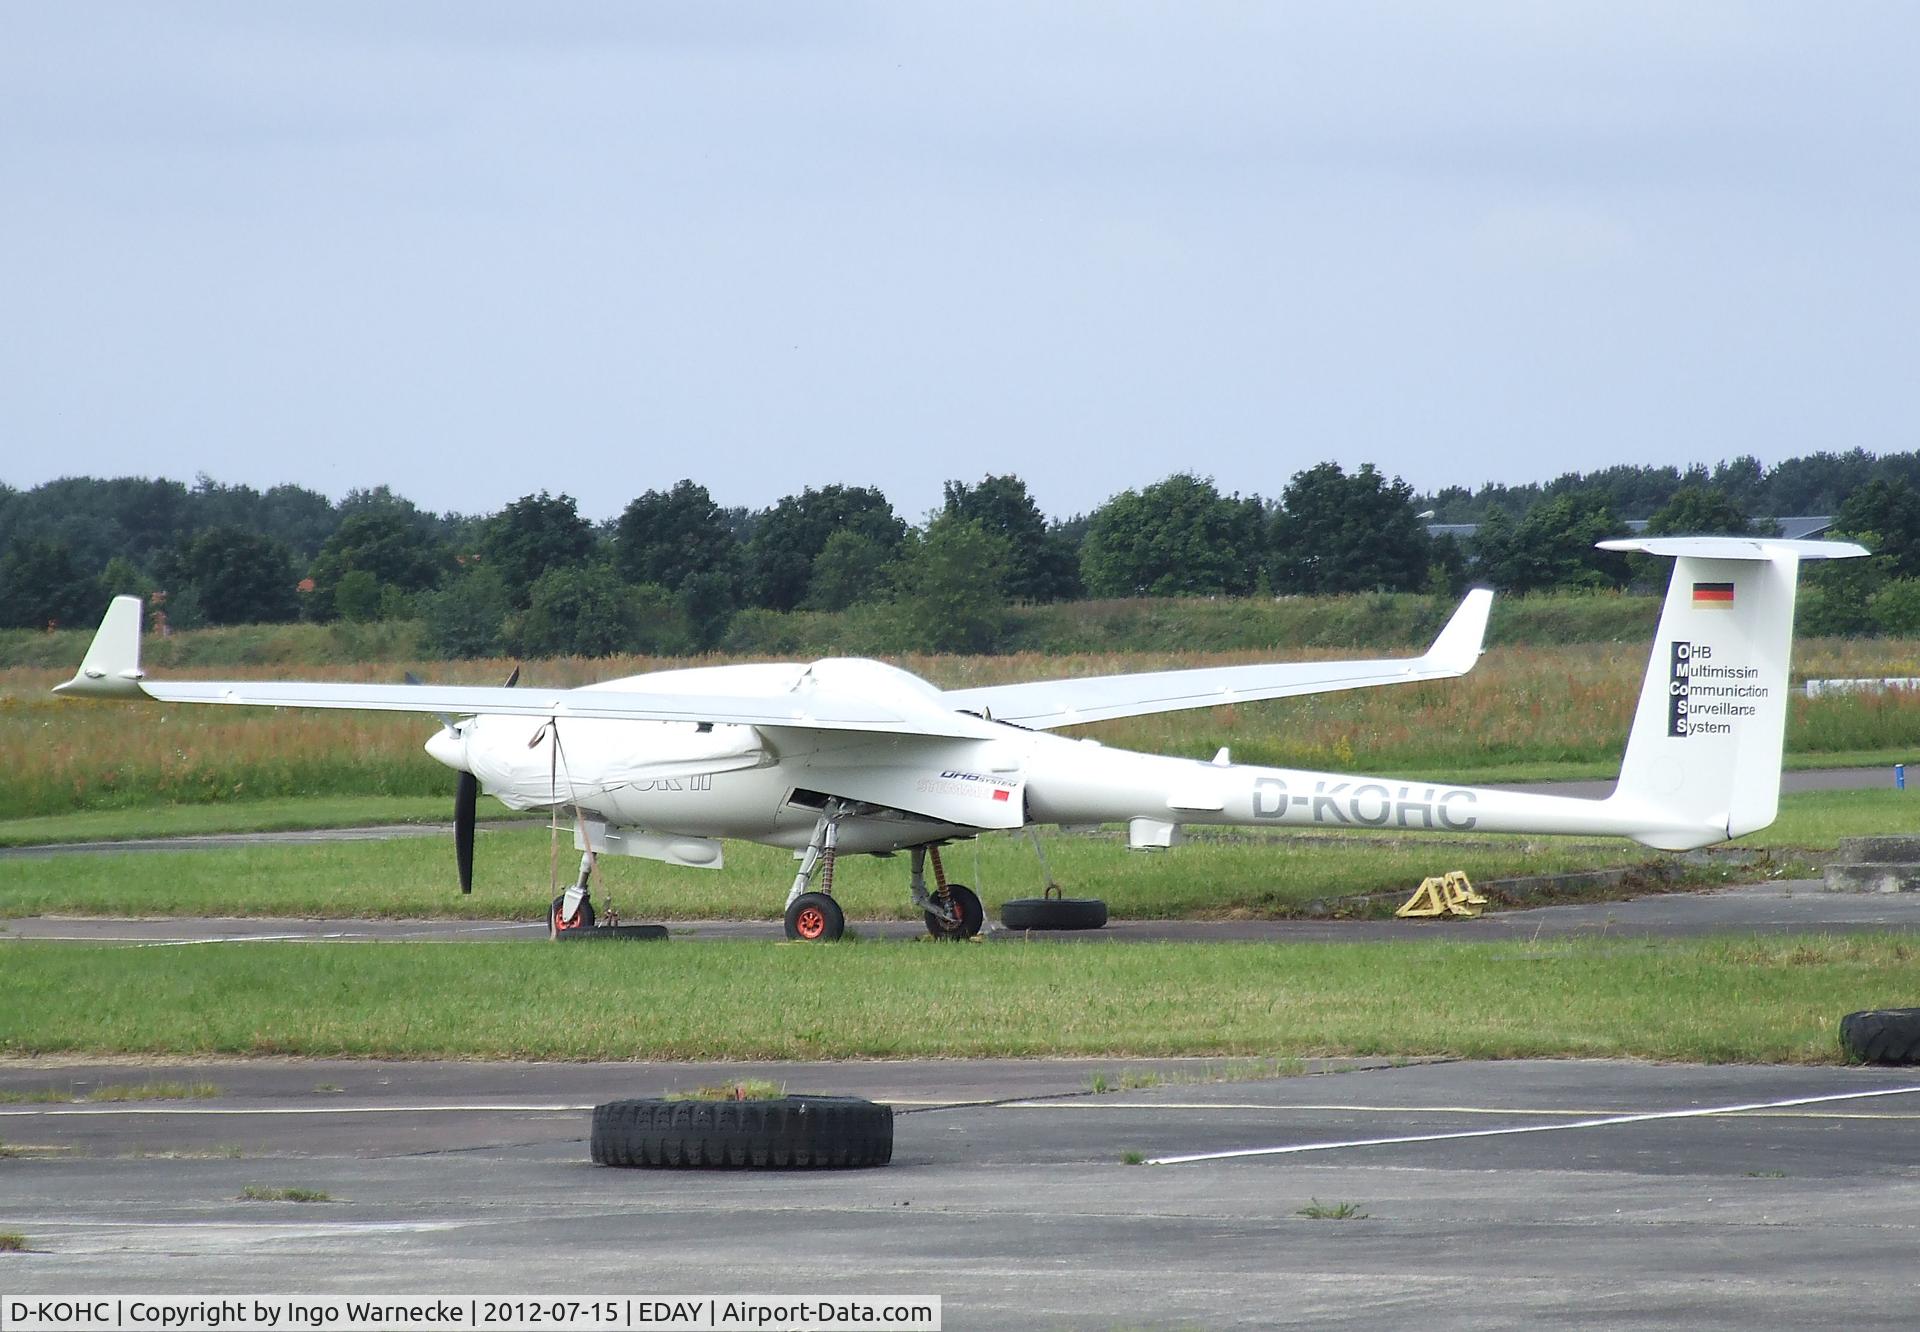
1609 1194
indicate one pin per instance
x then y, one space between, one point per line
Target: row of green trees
676 572
1818 483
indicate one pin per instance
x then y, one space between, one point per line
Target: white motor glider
855 756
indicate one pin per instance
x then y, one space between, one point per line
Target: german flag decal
1713 596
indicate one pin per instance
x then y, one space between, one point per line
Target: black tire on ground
815 918
1882 1035
1054 913
638 933
791 1133
582 919
972 915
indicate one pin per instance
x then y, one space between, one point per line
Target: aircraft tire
815 918
1054 913
1882 1035
789 1133
582 919
972 915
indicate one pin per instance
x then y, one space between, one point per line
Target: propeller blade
513 679
465 801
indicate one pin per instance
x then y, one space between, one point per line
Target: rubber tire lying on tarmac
787 1133
1054 913
1882 1035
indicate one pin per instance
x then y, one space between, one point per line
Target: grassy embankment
1525 713
1714 1000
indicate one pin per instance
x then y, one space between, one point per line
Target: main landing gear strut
952 910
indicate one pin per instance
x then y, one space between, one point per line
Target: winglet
1459 645
112 665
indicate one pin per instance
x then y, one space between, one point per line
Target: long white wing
1046 704
805 710
112 670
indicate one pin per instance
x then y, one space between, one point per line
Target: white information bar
339 1313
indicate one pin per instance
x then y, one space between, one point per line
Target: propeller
466 800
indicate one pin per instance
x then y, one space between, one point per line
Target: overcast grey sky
472 250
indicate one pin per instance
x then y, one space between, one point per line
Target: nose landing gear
571 916
573 909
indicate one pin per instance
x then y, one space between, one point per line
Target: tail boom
1702 761
1126 786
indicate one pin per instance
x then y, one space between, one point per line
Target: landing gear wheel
972 916
1882 1035
815 918
558 925
791 1132
1054 913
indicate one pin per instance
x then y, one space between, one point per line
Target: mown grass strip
241 816
302 812
1223 872
1702 1000
113 1092
1817 820
153 1091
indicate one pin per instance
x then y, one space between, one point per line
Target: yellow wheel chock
1444 895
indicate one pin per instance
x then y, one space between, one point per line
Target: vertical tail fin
1708 734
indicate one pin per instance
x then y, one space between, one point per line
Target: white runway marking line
230 938
1085 1104
1646 1117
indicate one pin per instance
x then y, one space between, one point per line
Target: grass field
79 771
285 814
1714 1000
1524 713
1219 873
1254 873
1817 820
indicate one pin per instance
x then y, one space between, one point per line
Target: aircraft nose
449 747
